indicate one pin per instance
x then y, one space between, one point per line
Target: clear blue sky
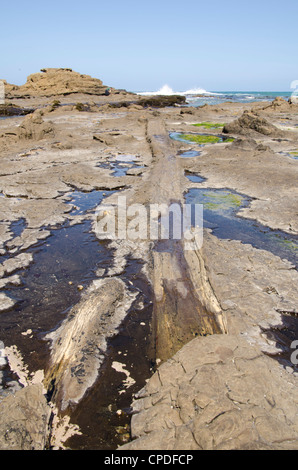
217 45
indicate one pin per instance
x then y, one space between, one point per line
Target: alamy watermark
2 92
151 222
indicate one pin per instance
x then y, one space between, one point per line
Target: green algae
221 215
284 243
211 206
200 139
209 125
222 201
294 154
203 139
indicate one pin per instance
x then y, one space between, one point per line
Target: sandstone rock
244 143
51 82
249 144
24 420
33 127
249 123
5 302
114 138
279 104
217 392
13 264
135 172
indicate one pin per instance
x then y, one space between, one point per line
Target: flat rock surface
234 388
217 393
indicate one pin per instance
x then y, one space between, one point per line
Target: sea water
199 96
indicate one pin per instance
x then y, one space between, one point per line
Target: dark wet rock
162 101
152 101
187 111
13 110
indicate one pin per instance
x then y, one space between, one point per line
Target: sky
243 45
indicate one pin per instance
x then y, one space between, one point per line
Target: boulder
278 105
33 127
250 124
162 101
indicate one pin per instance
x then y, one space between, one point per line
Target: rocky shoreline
219 320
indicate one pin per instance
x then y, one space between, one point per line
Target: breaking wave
167 90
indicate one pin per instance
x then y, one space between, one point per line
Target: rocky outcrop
33 127
250 123
52 82
279 105
162 101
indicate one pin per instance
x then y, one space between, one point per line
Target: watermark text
151 222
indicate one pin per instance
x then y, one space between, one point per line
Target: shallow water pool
220 214
200 139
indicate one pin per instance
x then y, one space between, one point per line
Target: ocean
198 96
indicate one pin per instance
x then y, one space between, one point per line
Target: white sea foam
167 90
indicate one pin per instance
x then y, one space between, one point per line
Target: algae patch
222 216
222 201
210 125
201 139
294 154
